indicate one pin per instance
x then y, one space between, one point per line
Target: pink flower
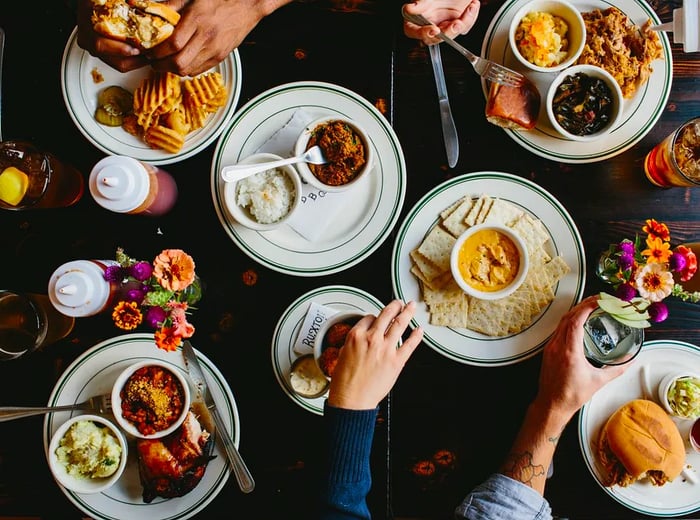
180 326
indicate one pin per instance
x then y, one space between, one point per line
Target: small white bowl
302 144
576 33
321 342
243 215
307 379
128 426
85 484
523 263
591 71
665 385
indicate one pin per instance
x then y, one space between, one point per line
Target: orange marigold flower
250 277
657 229
423 468
174 269
127 315
444 458
657 251
167 340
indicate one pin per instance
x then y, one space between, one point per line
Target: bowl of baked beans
346 147
150 399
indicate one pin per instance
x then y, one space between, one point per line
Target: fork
96 403
488 69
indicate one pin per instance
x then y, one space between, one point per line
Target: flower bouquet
642 273
159 294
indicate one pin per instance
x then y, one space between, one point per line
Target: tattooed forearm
519 466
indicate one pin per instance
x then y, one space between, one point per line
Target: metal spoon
236 172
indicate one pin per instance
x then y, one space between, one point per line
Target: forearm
533 449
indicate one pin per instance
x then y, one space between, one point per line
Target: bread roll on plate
142 23
513 107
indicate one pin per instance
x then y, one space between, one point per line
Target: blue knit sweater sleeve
349 435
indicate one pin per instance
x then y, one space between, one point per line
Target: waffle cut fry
168 108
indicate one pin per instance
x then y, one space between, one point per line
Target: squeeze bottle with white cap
125 185
78 288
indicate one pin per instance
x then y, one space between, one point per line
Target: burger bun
640 441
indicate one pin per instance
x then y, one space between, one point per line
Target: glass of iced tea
29 322
675 161
34 179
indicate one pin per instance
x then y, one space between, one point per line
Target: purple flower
141 271
155 316
115 273
134 295
626 247
626 292
658 312
677 262
625 261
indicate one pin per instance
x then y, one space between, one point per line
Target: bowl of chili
150 399
584 103
345 145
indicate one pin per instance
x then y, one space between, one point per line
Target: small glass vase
606 268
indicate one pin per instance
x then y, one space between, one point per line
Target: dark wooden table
437 403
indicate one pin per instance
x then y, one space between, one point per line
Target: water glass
29 322
608 342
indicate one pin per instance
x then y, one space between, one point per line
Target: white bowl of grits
266 199
87 454
547 35
489 261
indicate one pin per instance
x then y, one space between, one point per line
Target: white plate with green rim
93 373
340 297
80 92
464 345
640 381
640 113
370 210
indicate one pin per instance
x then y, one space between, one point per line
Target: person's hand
207 33
117 54
370 362
453 17
567 380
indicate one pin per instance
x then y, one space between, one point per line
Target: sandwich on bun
640 441
142 23
513 107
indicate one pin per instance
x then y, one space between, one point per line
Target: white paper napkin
315 317
318 207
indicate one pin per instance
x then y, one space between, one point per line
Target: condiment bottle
79 288
125 185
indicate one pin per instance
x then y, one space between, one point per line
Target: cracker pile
167 108
449 306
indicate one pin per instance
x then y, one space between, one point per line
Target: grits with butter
488 260
449 306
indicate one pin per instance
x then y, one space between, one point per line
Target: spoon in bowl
236 172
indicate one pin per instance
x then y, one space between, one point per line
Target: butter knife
449 131
211 415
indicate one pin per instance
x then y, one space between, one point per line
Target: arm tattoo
520 467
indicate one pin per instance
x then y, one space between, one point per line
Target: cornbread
88 450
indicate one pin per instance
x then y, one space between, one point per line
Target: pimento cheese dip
488 260
152 399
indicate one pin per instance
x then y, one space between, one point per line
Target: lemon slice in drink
13 185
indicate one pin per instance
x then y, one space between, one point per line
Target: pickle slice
113 103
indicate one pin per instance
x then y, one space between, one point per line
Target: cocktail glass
609 342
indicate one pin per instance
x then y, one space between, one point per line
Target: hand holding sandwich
186 37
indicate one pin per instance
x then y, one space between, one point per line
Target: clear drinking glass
608 342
